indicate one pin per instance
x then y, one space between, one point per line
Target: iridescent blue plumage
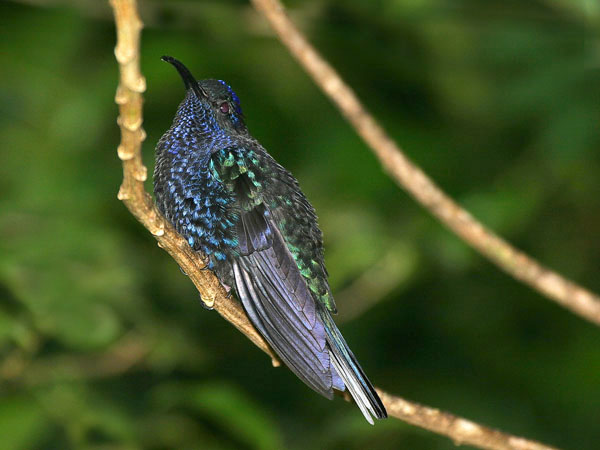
234 203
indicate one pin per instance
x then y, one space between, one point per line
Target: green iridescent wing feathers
240 170
267 280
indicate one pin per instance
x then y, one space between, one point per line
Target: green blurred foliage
103 342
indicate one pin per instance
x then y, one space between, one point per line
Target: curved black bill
188 79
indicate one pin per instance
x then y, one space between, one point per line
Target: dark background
103 342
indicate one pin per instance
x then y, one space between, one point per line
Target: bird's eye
224 107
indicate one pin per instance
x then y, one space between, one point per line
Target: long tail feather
349 370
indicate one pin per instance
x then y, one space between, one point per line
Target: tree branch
138 201
409 176
460 430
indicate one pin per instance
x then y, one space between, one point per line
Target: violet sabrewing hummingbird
235 204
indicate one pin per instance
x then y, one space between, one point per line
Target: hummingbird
235 204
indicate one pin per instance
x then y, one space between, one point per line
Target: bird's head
210 104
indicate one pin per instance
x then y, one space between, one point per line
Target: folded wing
279 304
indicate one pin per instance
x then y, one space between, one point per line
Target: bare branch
516 263
139 202
461 431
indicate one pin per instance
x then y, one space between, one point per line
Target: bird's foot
227 289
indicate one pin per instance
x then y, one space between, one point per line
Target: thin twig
521 266
138 201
